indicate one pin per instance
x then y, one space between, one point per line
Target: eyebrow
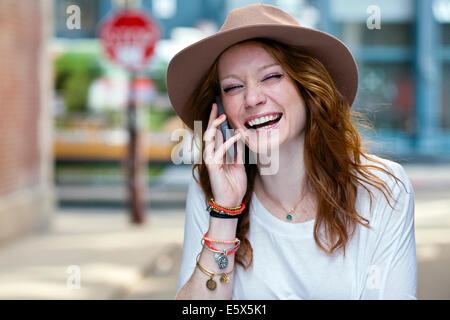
259 69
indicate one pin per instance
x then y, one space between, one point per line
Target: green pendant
289 217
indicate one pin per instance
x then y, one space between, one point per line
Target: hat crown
256 14
189 67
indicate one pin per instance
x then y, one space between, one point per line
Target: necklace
289 216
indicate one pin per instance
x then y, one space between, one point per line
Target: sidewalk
117 260
172 187
113 257
428 177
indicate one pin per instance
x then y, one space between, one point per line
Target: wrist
222 229
229 203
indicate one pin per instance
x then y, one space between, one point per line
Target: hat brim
188 67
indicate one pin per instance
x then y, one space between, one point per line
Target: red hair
332 149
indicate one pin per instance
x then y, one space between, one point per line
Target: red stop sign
129 38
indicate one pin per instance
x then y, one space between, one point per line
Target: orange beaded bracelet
236 240
228 211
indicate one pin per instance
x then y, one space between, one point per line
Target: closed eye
272 76
231 88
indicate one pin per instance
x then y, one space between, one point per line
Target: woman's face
259 97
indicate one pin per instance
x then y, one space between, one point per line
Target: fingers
213 114
220 153
240 151
215 147
210 132
243 134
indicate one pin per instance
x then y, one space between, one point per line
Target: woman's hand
228 180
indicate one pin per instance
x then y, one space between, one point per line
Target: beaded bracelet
222 212
231 211
222 215
221 255
232 208
236 240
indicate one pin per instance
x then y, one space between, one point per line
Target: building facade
26 196
402 50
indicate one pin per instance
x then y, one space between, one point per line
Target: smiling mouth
263 122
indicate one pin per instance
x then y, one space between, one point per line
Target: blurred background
65 227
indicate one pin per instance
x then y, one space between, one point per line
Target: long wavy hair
332 149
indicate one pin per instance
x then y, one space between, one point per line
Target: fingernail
221 116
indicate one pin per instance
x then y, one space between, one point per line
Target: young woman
322 225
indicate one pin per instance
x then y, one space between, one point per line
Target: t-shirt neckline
265 216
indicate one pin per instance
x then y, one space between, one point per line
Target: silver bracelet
221 257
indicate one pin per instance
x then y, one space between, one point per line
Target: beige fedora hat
190 65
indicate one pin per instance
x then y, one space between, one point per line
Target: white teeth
262 120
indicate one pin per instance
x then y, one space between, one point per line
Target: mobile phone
224 127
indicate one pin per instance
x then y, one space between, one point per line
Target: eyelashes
277 76
272 76
230 88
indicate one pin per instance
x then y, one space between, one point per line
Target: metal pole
133 162
428 111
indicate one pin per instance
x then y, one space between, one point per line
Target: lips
263 120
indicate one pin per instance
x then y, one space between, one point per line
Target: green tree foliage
158 73
74 73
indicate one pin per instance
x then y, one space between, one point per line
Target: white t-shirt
380 263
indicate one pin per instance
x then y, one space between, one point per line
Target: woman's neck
286 183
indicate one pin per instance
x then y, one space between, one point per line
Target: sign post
129 37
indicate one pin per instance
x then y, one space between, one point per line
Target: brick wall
19 94
23 94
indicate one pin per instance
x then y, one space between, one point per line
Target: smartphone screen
225 128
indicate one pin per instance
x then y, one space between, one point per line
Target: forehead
247 54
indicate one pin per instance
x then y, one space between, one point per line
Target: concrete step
116 195
91 254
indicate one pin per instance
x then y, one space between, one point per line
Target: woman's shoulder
375 160
401 196
196 203
194 188
391 214
394 168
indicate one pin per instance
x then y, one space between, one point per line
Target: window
356 34
445 34
89 14
386 95
445 119
385 56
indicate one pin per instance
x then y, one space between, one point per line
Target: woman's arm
228 185
195 287
392 266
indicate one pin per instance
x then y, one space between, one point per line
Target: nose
254 96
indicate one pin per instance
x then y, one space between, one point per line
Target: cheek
299 120
233 117
296 113
232 110
287 97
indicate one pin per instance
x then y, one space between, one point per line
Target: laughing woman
332 222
